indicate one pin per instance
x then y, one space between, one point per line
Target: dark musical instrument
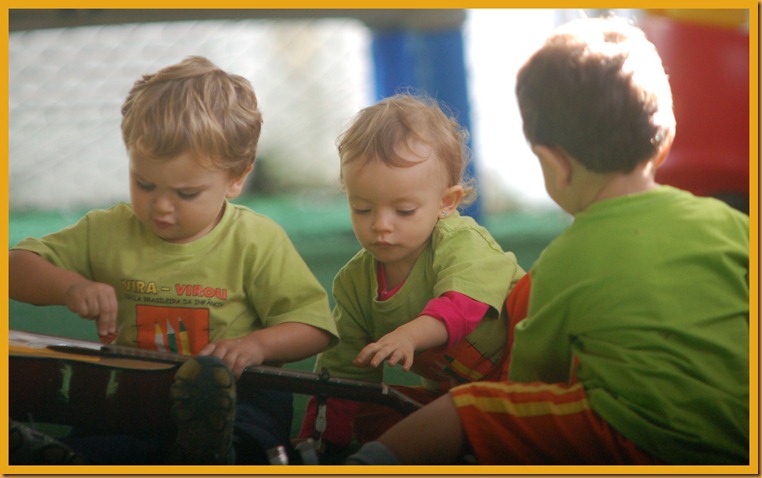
74 382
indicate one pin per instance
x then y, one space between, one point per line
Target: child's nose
381 222
161 203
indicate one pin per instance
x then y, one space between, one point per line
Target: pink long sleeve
460 314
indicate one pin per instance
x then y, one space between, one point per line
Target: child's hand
394 347
94 301
236 353
275 345
401 344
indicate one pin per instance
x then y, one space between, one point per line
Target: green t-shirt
242 276
646 299
461 257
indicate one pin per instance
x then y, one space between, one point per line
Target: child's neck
601 187
385 291
393 277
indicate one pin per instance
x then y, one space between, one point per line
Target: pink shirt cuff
460 314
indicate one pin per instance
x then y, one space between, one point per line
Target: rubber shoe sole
27 446
203 408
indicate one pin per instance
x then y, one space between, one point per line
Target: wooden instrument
74 382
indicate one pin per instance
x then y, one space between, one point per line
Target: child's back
648 294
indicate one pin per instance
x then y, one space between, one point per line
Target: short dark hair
597 89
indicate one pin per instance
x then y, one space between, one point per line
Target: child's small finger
366 355
376 361
394 359
360 360
407 364
107 338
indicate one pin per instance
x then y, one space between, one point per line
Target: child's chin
172 239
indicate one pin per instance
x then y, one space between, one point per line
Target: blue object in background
430 62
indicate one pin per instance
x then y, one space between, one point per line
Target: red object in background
708 66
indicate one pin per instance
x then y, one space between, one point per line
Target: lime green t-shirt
645 298
461 257
242 276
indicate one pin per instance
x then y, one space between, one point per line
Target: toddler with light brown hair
428 287
182 269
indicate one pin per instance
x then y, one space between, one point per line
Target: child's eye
144 186
188 195
360 211
406 212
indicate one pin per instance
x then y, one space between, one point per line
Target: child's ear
451 199
236 185
556 166
666 146
661 156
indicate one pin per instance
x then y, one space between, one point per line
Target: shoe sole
203 409
27 446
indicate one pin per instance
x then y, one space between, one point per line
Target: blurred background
311 75
70 70
312 70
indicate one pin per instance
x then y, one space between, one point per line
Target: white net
66 87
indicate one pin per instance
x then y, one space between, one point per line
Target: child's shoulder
361 260
458 222
359 265
673 204
118 214
244 225
244 215
462 229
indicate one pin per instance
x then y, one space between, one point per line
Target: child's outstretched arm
443 322
282 343
34 280
401 344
